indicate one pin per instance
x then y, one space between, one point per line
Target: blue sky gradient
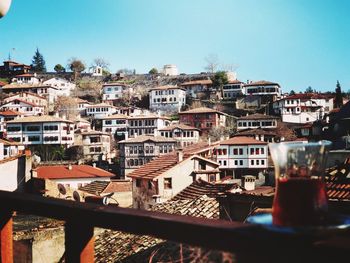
295 43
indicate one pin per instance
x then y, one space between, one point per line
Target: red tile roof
23 101
77 171
2 83
261 83
242 140
201 110
24 75
10 113
178 126
197 82
306 96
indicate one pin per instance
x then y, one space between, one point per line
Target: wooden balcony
249 243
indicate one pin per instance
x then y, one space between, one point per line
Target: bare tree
66 106
100 62
76 65
89 89
212 61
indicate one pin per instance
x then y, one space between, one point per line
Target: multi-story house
114 91
12 68
64 87
240 156
10 149
164 177
184 135
203 118
196 87
36 130
167 98
29 97
268 89
132 111
138 151
27 78
96 144
46 91
6 116
303 108
82 105
232 90
146 125
100 111
257 120
24 107
116 125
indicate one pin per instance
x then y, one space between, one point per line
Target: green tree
59 68
153 71
77 66
38 62
292 92
309 90
219 80
338 101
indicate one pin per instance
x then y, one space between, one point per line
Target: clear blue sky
297 43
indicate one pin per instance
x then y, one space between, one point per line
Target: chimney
94 165
248 182
209 141
70 167
180 155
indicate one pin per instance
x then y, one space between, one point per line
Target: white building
196 87
26 79
115 91
44 129
6 116
100 111
242 156
257 120
116 125
303 108
170 70
184 135
82 106
167 98
64 87
262 87
29 97
146 125
232 90
23 107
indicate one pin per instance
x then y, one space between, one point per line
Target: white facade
183 134
167 98
255 121
242 153
115 91
100 111
170 70
41 130
116 125
232 90
64 87
303 108
26 79
23 107
196 87
96 145
29 97
262 88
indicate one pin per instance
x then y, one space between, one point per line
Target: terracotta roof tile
167 87
77 171
258 116
201 110
10 113
43 118
178 126
242 140
197 82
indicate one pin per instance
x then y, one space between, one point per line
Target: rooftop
115 116
261 83
145 138
197 82
178 126
201 110
39 119
9 113
76 172
242 140
167 87
105 187
258 116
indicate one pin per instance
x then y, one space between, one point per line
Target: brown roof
242 140
150 116
235 81
114 84
115 116
166 87
9 143
261 83
163 163
307 96
178 126
2 83
100 105
26 86
10 113
77 171
144 138
27 92
258 131
197 82
25 75
201 110
257 116
43 118
200 187
105 187
24 101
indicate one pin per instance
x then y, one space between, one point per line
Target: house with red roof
26 78
303 107
7 115
11 68
232 89
164 177
72 176
195 88
29 97
203 118
184 135
242 155
262 87
26 108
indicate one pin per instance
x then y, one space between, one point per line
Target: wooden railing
250 243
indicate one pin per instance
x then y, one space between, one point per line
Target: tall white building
167 98
64 87
170 70
262 87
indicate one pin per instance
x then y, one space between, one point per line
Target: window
33 138
33 128
138 182
168 183
262 151
240 151
257 150
235 151
251 150
151 149
202 165
262 162
236 162
252 162
212 178
108 122
51 127
140 150
257 162
13 129
149 184
160 149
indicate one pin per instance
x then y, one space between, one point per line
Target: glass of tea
300 197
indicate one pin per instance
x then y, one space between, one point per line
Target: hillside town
145 140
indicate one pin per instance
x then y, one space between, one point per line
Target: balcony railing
249 243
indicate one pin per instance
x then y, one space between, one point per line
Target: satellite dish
61 189
105 200
76 196
4 7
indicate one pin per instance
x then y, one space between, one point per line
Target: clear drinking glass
300 197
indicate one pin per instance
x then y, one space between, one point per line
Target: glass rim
293 144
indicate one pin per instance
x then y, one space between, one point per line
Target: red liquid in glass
299 202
